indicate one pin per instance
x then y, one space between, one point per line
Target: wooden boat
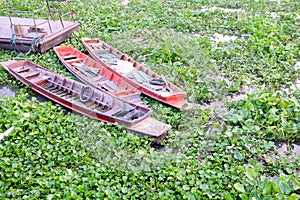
86 100
97 75
145 80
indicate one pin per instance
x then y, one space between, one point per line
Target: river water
8 91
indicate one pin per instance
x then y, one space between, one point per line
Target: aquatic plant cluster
53 153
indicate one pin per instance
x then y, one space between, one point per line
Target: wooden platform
37 38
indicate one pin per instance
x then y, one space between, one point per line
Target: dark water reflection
159 147
8 91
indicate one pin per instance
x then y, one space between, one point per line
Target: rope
13 39
14 45
35 43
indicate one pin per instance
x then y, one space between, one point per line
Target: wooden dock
38 35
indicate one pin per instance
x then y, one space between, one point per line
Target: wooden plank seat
101 80
59 86
136 75
109 86
108 55
98 79
87 73
41 80
74 60
69 57
113 111
82 66
126 114
31 74
90 72
99 51
22 69
113 86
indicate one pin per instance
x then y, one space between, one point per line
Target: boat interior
78 94
137 73
99 76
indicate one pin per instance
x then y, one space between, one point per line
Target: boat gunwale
130 88
163 98
58 99
84 41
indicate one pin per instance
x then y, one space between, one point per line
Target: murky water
223 38
219 108
242 95
216 107
292 150
39 97
219 78
159 147
8 91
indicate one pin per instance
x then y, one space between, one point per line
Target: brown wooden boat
97 75
145 80
37 30
86 100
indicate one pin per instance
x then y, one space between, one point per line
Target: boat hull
170 94
97 75
105 107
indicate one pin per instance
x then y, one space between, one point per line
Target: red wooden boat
145 80
97 75
86 100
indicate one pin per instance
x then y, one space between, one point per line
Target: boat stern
7 63
187 106
151 127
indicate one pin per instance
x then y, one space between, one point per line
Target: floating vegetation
56 154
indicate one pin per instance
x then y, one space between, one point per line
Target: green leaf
263 183
228 197
294 197
251 174
267 190
284 187
186 187
253 195
238 156
124 189
275 188
243 197
239 187
268 198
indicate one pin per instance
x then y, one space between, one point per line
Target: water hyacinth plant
54 153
